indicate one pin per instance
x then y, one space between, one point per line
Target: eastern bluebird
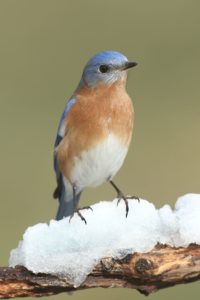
94 132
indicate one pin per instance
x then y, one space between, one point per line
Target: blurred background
44 46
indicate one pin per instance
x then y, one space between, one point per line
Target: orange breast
96 113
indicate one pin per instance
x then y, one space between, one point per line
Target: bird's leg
86 207
76 205
76 209
121 196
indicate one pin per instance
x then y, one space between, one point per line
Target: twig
160 268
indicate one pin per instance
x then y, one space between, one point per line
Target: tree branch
147 272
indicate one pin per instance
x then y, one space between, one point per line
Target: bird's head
106 67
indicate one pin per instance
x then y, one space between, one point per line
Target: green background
44 46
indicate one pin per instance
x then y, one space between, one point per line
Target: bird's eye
104 68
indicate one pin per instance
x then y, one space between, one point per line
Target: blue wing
61 129
60 135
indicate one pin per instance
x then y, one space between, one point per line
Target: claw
79 214
122 197
71 218
87 207
133 198
82 218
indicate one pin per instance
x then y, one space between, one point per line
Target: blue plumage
107 57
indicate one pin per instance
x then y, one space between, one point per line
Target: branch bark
147 272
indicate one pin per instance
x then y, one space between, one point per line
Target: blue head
106 67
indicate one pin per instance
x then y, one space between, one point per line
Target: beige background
44 46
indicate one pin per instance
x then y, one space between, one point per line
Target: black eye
104 68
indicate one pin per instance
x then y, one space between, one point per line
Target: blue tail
67 204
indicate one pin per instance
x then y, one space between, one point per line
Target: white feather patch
95 166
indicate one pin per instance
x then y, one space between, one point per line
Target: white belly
95 166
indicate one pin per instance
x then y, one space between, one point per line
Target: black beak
129 64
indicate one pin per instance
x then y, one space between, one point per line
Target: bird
94 132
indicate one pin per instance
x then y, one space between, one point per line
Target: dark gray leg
76 209
120 196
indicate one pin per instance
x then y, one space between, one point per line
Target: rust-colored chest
96 114
101 111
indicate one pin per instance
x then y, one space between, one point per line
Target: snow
72 249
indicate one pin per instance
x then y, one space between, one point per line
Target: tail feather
66 205
65 209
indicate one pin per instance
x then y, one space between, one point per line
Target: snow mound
72 249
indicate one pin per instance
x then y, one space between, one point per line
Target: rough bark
160 268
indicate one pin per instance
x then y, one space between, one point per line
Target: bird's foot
121 196
79 213
86 207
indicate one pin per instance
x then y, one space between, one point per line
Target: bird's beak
129 64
